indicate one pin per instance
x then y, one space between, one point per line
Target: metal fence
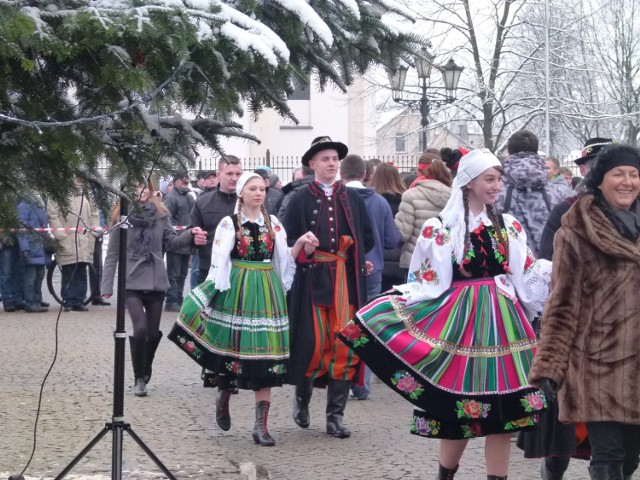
283 166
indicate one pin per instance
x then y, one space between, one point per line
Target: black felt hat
324 143
591 149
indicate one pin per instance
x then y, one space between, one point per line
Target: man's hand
310 243
26 256
199 236
369 267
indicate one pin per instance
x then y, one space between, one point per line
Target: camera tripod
117 425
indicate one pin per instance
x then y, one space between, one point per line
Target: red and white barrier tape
67 229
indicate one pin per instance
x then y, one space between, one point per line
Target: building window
401 142
301 89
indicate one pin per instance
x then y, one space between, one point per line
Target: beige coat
590 341
74 247
420 203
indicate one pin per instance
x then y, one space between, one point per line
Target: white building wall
407 122
348 118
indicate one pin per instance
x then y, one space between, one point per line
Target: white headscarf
472 165
242 181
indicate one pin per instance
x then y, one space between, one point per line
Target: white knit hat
242 181
472 165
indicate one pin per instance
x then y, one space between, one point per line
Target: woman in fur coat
590 344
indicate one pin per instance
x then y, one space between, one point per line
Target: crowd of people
498 296
76 240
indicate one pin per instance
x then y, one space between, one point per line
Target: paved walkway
177 421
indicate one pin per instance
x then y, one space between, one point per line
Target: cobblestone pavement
177 420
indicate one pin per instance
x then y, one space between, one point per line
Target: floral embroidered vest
486 257
255 243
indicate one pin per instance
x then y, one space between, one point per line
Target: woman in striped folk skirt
235 324
456 340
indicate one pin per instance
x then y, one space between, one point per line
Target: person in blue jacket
34 257
353 170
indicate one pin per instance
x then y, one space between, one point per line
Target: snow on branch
246 33
396 7
395 27
247 42
178 122
351 5
41 25
309 17
120 53
253 26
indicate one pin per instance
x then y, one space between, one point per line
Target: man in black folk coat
329 285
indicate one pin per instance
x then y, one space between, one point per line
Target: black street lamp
424 62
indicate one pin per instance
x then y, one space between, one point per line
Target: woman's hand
308 241
199 236
549 388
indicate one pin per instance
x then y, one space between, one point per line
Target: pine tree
87 80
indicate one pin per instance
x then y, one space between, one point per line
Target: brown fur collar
588 221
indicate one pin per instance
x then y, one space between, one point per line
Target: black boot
223 418
152 346
337 396
260 434
445 473
495 477
139 361
553 468
606 471
301 401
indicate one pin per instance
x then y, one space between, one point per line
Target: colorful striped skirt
242 332
462 359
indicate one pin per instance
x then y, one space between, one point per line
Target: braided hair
267 222
239 216
467 234
501 233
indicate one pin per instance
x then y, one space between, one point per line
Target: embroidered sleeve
283 263
431 267
223 243
530 276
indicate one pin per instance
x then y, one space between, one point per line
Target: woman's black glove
549 388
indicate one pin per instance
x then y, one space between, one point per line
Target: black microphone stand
117 424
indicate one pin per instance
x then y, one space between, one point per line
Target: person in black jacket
211 207
298 183
179 203
328 285
273 198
